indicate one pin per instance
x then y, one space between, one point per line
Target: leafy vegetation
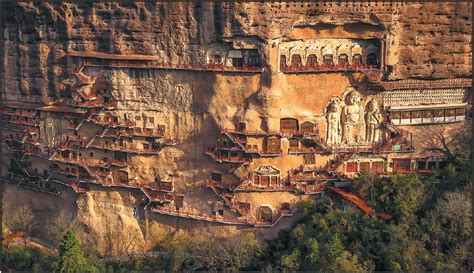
25 259
431 229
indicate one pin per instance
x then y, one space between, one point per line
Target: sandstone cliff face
433 40
110 223
426 40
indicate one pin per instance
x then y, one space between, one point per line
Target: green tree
71 257
335 247
449 230
347 262
401 195
290 262
312 257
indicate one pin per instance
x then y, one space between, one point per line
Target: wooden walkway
360 203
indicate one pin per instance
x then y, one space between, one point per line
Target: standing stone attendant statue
373 119
333 124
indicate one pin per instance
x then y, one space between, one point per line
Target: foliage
71 258
431 230
25 259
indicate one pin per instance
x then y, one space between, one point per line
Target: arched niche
343 53
264 214
296 60
327 53
371 50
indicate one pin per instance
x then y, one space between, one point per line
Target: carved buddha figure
372 120
333 124
353 118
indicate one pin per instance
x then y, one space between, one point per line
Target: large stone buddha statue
353 119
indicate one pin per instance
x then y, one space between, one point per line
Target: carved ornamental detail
352 123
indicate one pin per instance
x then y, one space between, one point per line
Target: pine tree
71 257
336 248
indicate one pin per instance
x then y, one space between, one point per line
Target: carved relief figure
333 124
50 132
372 120
353 119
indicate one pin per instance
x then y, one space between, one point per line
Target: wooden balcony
172 66
118 162
231 159
305 150
160 197
133 131
18 114
106 121
327 68
126 148
194 214
29 123
79 187
249 187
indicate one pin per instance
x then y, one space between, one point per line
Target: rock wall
424 40
430 40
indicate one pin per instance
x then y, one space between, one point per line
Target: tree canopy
71 257
431 228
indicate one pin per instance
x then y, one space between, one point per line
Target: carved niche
350 123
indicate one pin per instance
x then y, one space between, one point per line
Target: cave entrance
308 128
217 59
351 167
327 59
312 61
288 125
401 165
357 59
294 144
309 159
120 156
240 127
296 60
253 58
273 145
372 59
377 167
285 206
121 177
236 57
216 176
342 60
237 62
265 214
266 175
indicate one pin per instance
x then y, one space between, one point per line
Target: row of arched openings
312 60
